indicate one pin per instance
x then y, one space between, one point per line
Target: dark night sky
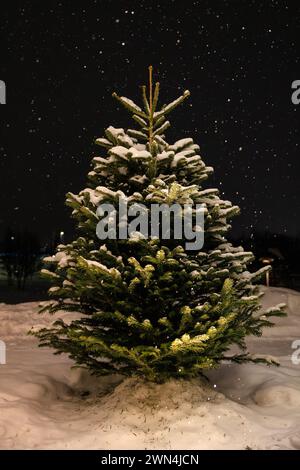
62 60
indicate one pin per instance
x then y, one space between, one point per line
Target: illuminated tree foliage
149 307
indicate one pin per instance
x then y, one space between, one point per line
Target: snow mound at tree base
174 415
44 404
169 395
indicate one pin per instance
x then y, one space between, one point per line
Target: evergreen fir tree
149 307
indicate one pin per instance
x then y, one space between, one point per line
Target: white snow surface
44 404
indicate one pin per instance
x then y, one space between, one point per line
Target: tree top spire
148 114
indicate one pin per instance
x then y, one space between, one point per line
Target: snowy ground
46 405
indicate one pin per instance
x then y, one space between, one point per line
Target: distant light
12 238
61 234
266 260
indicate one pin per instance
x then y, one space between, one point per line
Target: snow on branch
167 109
130 105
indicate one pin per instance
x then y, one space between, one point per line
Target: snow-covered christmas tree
150 307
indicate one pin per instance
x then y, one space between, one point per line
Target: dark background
62 60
